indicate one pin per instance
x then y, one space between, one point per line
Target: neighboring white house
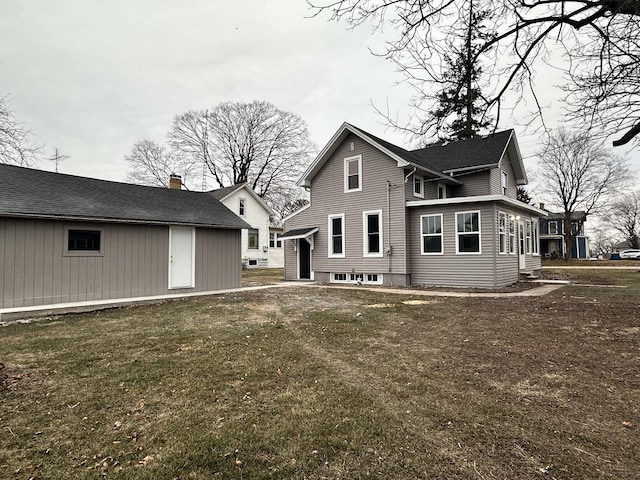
261 246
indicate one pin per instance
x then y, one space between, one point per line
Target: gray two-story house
444 215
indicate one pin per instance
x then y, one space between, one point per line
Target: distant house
444 215
66 239
261 246
553 241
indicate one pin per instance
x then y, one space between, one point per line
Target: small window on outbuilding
83 242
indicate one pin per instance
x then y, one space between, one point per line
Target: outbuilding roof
26 192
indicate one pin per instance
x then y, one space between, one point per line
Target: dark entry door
304 250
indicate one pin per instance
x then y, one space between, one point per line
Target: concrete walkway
591 267
16 314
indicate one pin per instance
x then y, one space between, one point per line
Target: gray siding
474 184
488 270
328 198
35 271
496 181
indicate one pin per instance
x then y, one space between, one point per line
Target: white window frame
503 247
504 182
418 180
527 236
330 253
257 231
334 278
444 191
373 282
365 234
348 160
512 235
555 227
242 207
479 233
536 237
441 235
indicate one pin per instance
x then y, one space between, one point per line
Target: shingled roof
27 192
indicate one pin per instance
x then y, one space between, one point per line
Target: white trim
440 185
300 210
348 160
302 235
421 183
242 207
479 233
365 234
512 222
422 235
506 232
485 166
476 199
311 274
83 253
330 254
193 258
504 179
527 237
535 237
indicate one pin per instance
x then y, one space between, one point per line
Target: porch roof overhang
298 233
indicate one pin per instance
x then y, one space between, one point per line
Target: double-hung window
528 235
442 191
553 228
502 232
418 186
253 239
468 232
336 236
242 204
512 234
431 233
274 240
353 174
372 228
503 182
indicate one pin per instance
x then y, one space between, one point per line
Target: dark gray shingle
25 191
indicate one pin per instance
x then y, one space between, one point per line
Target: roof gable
225 192
36 193
438 160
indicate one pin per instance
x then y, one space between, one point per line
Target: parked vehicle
630 254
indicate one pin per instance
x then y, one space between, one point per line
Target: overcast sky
93 77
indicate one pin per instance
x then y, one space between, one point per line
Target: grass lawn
318 383
252 277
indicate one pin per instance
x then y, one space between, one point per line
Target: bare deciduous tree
599 41
577 174
624 217
15 146
153 164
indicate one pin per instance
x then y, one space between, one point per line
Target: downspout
389 251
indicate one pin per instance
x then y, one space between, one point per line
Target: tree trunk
569 237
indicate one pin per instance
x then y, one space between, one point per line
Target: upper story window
253 239
336 236
431 233
274 240
372 228
353 174
468 232
502 232
553 228
503 182
442 191
242 207
418 186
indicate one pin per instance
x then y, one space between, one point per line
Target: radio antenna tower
57 159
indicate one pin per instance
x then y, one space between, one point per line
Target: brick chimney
175 182
541 206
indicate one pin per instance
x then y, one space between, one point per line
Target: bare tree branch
15 146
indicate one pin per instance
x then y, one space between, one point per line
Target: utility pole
58 158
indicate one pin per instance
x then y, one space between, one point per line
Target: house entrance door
181 257
304 259
522 261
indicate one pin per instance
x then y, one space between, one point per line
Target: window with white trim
336 236
512 234
253 239
274 240
442 191
431 233
418 186
468 232
528 235
536 242
372 229
353 174
338 277
502 232
242 203
503 182
553 228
